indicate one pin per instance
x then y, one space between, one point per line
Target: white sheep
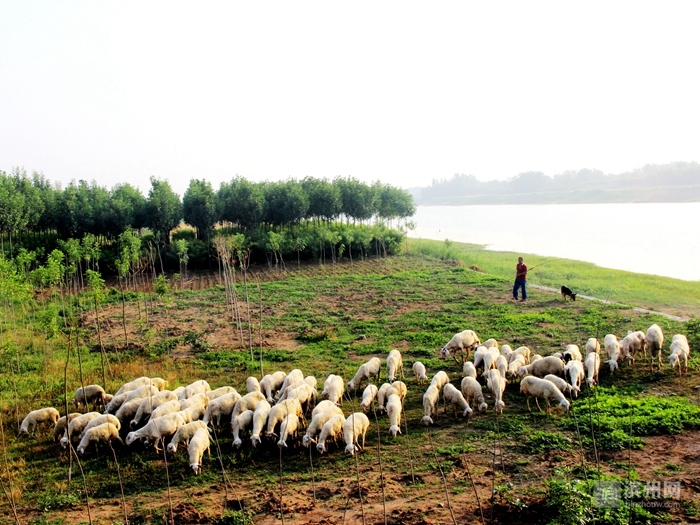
440 379
128 410
38 417
105 432
561 384
311 381
196 387
506 350
221 408
679 350
94 394
655 343
149 404
179 390
468 369
199 444
293 378
394 366
326 404
592 365
184 434
490 343
371 368
157 429
288 427
270 383
394 408
333 389
571 352
575 372
61 425
473 394
523 351
239 423
515 364
133 385
200 399
640 347
537 357
456 398
99 420
252 384
247 402
542 389
368 396
332 430
461 343
116 402
612 348
479 356
490 357
305 393
502 365
381 396
317 421
218 392
420 372
399 388
497 385
279 412
430 401
76 426
141 392
354 427
259 421
169 407
542 367
592 345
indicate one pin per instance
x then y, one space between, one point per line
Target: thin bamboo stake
8 494
82 474
121 485
167 480
442 474
381 470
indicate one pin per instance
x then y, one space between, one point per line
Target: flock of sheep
275 408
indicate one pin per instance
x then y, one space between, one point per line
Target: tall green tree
163 209
325 201
287 203
359 199
199 207
127 209
242 202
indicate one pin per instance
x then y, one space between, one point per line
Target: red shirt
521 271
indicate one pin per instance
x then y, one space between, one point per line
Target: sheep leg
537 401
527 400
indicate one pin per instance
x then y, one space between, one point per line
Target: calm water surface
659 239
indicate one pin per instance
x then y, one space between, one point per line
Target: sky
402 92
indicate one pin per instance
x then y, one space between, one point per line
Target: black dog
566 292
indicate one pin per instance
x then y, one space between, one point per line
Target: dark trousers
520 284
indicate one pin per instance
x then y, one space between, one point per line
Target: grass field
518 467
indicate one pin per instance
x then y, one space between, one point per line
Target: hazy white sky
402 91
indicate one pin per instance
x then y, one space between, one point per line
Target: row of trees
34 204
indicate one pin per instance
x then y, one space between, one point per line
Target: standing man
520 279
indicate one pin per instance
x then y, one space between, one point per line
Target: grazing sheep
169 407
514 365
332 430
561 384
76 426
198 445
293 378
440 379
368 396
252 384
247 402
179 390
323 406
460 343
317 421
612 348
473 394
543 389
354 427
128 410
381 396
259 420
157 429
222 390
141 392
270 383
420 372
679 350
99 420
184 434
640 347
468 370
497 385
116 402
192 412
542 367
490 357
394 366
367 370
502 365
197 387
239 423
149 404
575 372
592 365
133 385
399 388
523 351
333 389
491 343
61 424
38 417
571 352
430 401
393 410
479 356
592 345
655 343
104 432
221 408
506 350
288 428
200 399
537 357
279 412
311 381
94 394
456 398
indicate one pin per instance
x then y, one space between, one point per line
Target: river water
652 238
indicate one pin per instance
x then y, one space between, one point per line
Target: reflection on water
658 238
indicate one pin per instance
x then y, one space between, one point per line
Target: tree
358 198
324 199
163 209
393 203
126 210
287 203
242 202
199 207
